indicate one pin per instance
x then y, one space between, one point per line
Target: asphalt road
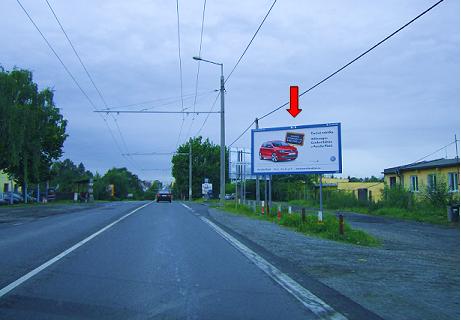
160 262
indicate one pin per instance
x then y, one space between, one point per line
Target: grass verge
422 214
329 229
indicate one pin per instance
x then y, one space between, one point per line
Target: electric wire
90 78
198 68
69 73
344 66
433 152
251 41
180 71
238 60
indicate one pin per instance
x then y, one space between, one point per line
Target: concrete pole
320 214
258 196
190 169
270 191
265 191
223 143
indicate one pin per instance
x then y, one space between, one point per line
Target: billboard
297 150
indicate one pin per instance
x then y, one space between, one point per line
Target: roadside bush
397 197
438 196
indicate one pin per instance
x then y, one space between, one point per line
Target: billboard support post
320 213
257 189
270 193
265 192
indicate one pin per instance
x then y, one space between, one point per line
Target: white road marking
307 298
187 207
42 267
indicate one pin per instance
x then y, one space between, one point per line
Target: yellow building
371 191
420 175
7 184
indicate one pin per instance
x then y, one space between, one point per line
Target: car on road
277 150
164 195
7 196
230 196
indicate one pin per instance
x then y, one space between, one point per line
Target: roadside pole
320 214
270 192
258 196
190 170
11 192
265 192
456 146
244 181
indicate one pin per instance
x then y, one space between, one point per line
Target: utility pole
190 169
258 197
456 146
223 142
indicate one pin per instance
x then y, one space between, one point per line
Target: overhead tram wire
69 73
198 67
251 41
180 71
240 59
165 101
89 77
344 66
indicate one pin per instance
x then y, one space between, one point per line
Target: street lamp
223 138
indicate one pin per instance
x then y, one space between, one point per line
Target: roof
438 163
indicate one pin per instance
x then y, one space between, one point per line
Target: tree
65 173
124 183
31 127
205 164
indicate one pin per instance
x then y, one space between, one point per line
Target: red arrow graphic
294 101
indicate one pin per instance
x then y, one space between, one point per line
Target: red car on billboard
277 150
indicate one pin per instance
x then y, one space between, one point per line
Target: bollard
341 224
303 215
289 210
262 207
320 217
279 213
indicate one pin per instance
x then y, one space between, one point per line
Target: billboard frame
322 125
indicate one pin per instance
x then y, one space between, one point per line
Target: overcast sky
396 105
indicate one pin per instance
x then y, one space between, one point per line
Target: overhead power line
344 66
238 61
180 69
426 156
251 41
90 78
76 53
198 67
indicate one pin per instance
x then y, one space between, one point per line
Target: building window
453 181
431 181
392 181
414 184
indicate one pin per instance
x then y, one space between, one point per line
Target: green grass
422 213
329 229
